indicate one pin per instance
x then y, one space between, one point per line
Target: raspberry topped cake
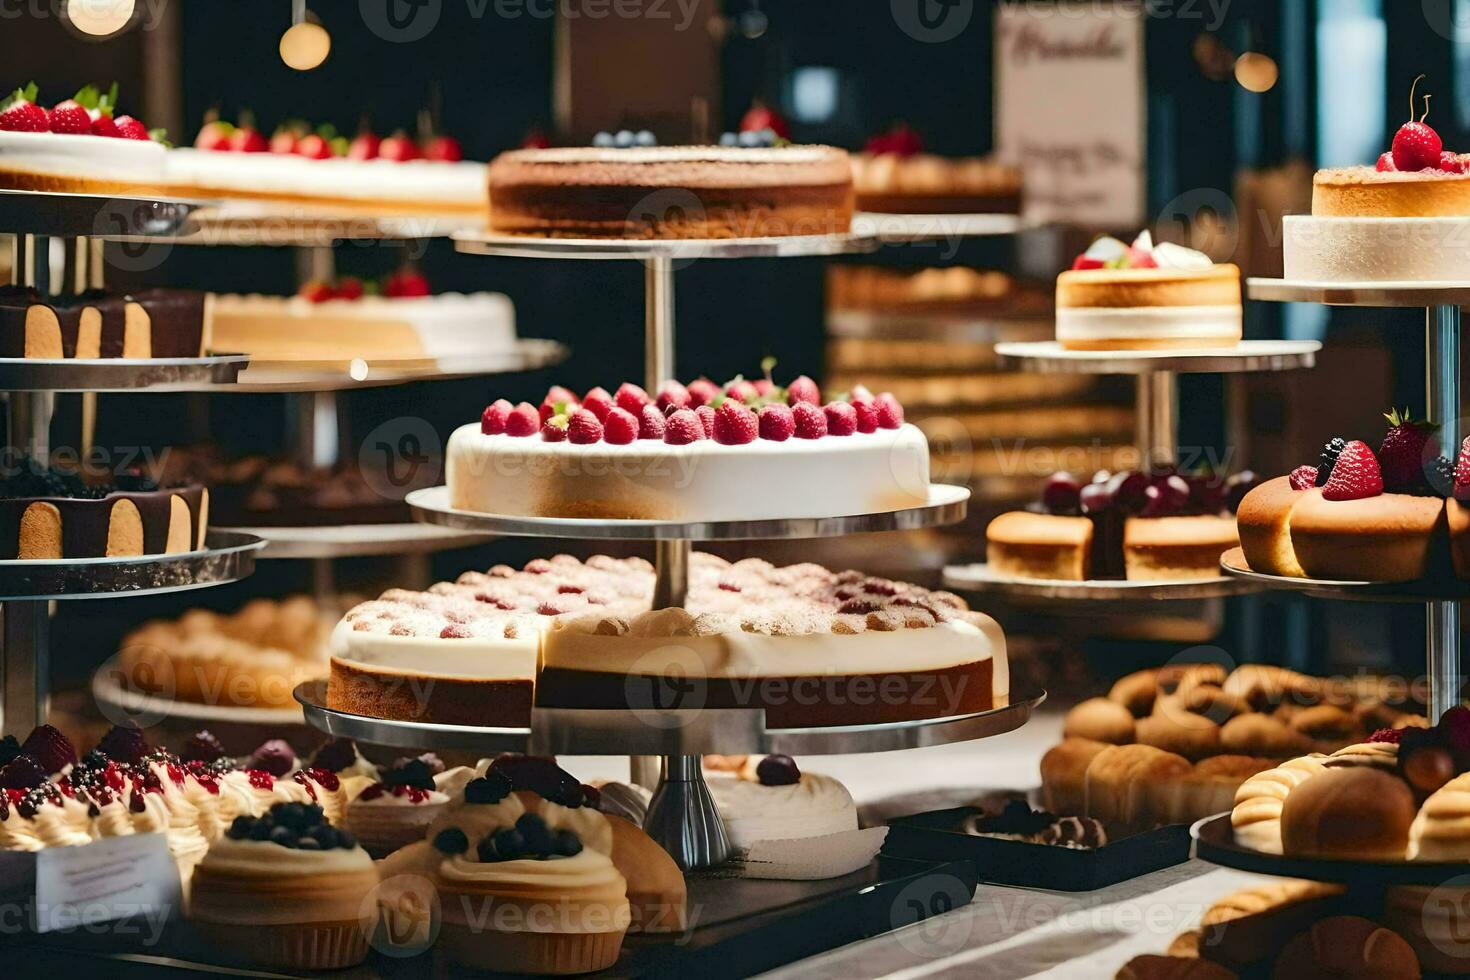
1145 296
1402 219
895 175
653 192
752 634
1134 525
1361 515
691 453
80 145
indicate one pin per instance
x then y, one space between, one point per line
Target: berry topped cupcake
396 810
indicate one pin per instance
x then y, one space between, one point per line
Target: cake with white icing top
78 146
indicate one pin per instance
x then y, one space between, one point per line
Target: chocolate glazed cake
96 324
52 516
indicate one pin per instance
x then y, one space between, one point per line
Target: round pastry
1120 784
1371 539
1153 967
1256 734
1327 725
1441 830
1256 817
1265 685
1436 923
1357 812
1136 691
1063 774
1264 523
777 801
398 810
1101 720
1347 947
1183 678
286 890
1182 732
1248 926
1215 703
657 894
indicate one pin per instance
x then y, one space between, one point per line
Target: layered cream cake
923 183
671 192
81 164
812 647
379 329
1146 296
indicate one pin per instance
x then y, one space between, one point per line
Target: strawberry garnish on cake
1356 474
1404 449
1416 146
21 114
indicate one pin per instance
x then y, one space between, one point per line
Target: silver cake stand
330 541
1233 564
979 577
286 376
1441 302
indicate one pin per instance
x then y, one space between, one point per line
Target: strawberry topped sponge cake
80 145
1387 516
699 452
1404 219
1144 296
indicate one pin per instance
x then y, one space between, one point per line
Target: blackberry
1330 452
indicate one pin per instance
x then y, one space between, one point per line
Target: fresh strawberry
631 398
22 115
672 393
349 287
702 391
803 389
1453 163
777 423
841 419
364 146
316 291
683 428
735 425
1303 477
1462 472
1385 164
1356 475
443 149
129 128
285 138
535 140
1404 450
246 138
741 390
1416 146
497 413
761 116
409 283
890 412
598 402
50 748
314 146
523 421
555 428
651 422
867 414
706 416
398 147
70 117
584 429
104 125
214 134
902 140
1084 262
620 428
811 421
1140 259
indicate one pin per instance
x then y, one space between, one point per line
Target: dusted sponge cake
672 192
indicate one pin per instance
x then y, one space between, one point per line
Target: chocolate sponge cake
97 324
54 515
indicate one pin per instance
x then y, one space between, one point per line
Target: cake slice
1043 546
1264 526
1387 538
1172 548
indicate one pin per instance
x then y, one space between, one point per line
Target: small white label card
112 878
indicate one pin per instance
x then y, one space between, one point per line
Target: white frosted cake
379 329
699 453
80 164
770 799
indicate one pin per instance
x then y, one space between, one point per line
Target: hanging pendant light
306 43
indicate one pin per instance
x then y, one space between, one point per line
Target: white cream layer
1333 249
703 481
459 184
473 658
815 806
1093 323
84 157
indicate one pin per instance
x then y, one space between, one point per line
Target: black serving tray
742 926
938 836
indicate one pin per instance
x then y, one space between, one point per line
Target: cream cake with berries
1130 524
810 646
696 453
77 146
1144 296
1359 515
671 192
1402 220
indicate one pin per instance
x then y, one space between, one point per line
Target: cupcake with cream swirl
397 810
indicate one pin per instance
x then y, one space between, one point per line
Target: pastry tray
1233 563
1214 841
938 835
744 927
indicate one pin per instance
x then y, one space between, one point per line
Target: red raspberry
554 429
522 421
842 419
556 393
1416 145
454 631
1385 164
672 395
598 402
890 412
706 416
492 422
584 429
682 428
632 398
741 390
1356 474
777 422
867 414
811 421
558 401
859 391
702 392
764 387
1389 735
735 425
1453 163
803 389
1303 478
651 423
621 426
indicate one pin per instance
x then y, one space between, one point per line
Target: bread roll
1172 968
1347 947
1118 783
1101 720
1063 770
1209 788
1327 725
1436 923
1441 831
1257 734
1256 817
1266 686
1182 678
1251 925
1181 732
1214 703
1136 691
1354 813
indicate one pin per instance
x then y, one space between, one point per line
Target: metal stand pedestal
1442 393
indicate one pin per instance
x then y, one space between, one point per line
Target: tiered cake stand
75 224
1157 439
682 816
